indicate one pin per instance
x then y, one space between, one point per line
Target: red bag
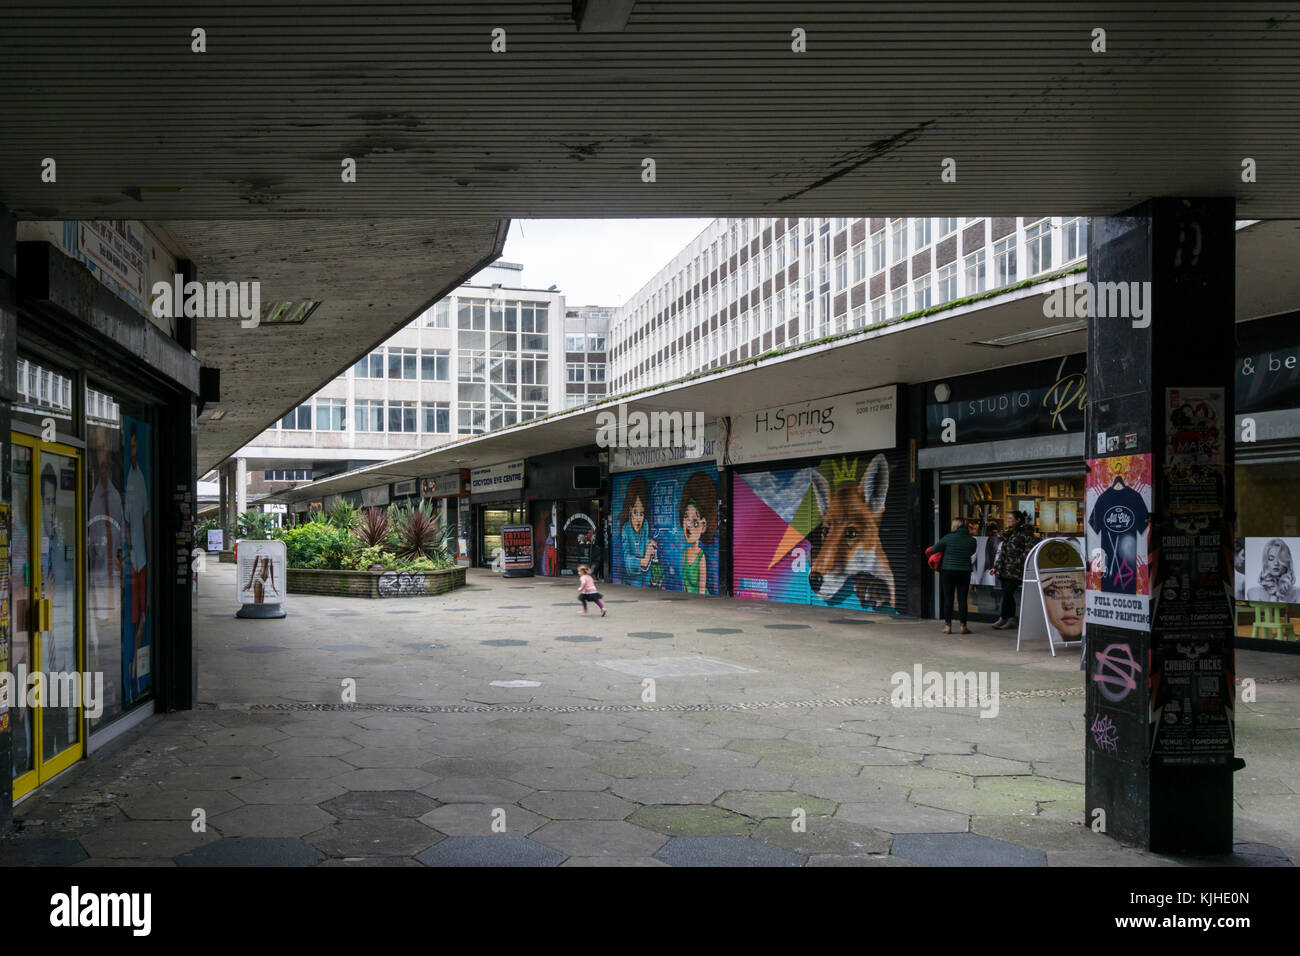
933 558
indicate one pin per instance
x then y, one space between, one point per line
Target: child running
587 590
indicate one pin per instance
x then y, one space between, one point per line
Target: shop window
118 552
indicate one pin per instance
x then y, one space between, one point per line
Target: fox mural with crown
813 534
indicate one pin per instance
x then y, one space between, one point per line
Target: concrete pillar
241 488
1160 649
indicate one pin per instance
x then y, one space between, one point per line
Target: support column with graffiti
1159 654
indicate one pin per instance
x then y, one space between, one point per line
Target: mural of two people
666 529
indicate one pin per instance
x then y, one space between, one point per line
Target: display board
1052 602
517 551
260 582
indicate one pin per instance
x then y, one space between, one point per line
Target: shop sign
1268 380
115 247
633 459
838 424
449 484
504 477
1035 399
403 488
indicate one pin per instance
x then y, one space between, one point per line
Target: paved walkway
769 739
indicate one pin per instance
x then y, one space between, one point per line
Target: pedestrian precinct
958 548
587 590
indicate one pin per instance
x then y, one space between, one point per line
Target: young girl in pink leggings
587 589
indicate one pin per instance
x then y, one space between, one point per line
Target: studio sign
1057 407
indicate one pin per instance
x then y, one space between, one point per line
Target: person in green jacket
958 548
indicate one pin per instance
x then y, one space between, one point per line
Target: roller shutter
668 496
845 546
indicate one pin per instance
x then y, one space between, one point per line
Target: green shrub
317 545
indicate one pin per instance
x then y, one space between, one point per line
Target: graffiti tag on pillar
402 584
1117 671
1105 734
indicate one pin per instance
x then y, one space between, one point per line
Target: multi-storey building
745 286
490 355
586 331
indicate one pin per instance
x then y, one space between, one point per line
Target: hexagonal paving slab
724 851
273 820
762 804
41 851
368 804
691 820
376 836
577 805
823 835
963 849
252 851
599 838
499 850
478 819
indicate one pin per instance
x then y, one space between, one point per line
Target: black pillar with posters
1159 655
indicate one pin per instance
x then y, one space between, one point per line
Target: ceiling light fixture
1033 335
289 313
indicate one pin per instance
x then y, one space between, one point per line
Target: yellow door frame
44 769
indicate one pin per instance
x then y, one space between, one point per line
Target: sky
596 261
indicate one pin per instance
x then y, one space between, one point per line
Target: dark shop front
566 493
1002 441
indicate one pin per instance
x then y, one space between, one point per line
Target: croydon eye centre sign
852 422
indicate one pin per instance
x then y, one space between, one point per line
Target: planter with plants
375 553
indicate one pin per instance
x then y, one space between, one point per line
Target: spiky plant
420 533
374 528
344 517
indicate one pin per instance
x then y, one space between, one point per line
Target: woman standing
957 547
1017 541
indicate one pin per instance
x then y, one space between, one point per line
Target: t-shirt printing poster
1118 507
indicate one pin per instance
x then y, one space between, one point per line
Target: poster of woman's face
1271 574
1063 599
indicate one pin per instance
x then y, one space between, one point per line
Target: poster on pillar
1118 507
1192 586
138 519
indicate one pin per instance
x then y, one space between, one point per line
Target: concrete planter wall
376 584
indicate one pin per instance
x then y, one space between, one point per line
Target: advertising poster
546 535
517 550
665 529
216 537
1269 572
259 576
1061 586
1118 507
1192 694
106 557
137 516
833 534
